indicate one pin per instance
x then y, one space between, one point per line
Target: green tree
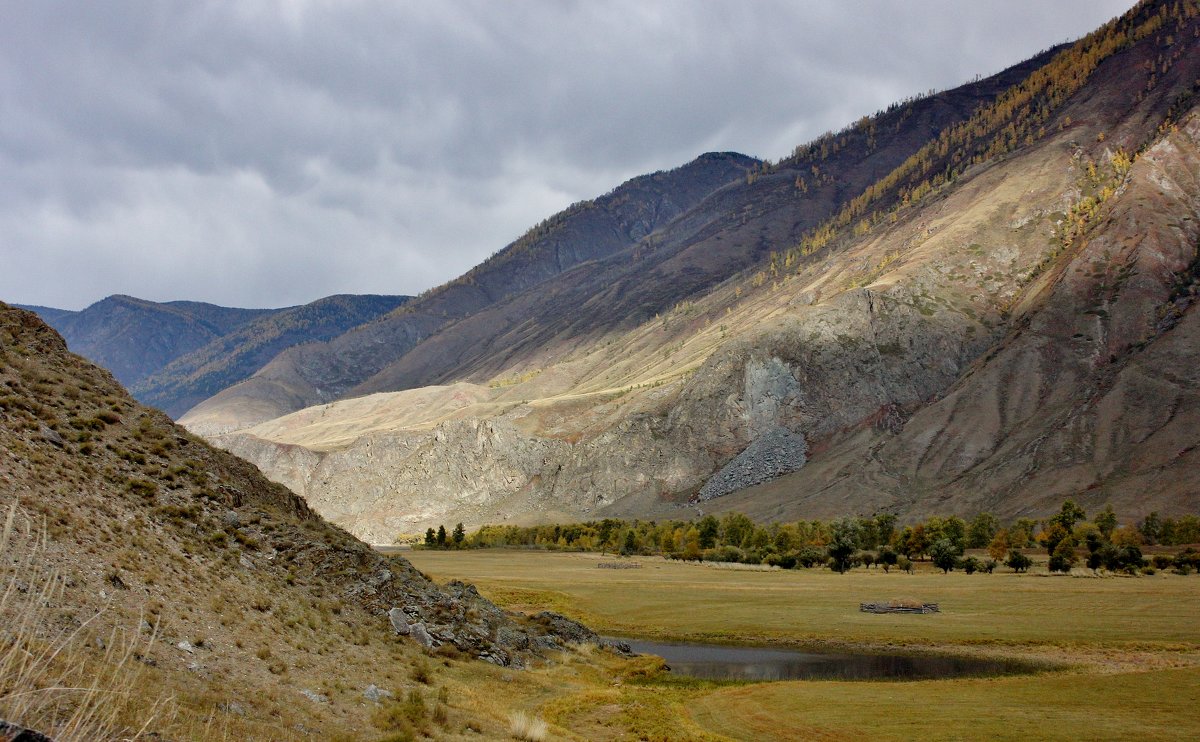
1151 528
885 527
708 528
441 537
1068 515
430 538
982 530
735 528
845 542
954 528
944 554
1063 557
1106 521
888 558
1018 562
459 535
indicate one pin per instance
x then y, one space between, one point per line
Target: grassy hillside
201 599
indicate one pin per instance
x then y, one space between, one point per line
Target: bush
1163 561
1018 562
970 565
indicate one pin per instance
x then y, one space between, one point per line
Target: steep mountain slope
251 608
840 340
236 355
133 337
585 232
720 228
733 229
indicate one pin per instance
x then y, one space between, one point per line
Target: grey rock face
771 455
314 696
375 694
421 635
399 621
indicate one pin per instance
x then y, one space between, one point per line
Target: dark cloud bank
264 154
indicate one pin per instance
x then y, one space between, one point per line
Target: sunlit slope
875 342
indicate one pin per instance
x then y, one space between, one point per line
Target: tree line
1069 537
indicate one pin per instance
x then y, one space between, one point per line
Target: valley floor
1128 649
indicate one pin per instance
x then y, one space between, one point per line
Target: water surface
716 662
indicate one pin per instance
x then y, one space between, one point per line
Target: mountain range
979 299
172 355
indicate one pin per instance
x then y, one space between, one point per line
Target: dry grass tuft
526 727
48 682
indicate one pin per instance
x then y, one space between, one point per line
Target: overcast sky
266 154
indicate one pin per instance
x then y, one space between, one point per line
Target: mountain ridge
829 341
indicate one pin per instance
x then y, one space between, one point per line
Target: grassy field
1129 645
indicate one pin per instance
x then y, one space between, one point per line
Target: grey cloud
270 153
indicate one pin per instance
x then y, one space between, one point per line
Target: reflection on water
714 662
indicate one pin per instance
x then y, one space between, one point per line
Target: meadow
1123 653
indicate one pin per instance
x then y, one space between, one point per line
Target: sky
265 154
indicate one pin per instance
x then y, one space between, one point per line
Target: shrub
1018 562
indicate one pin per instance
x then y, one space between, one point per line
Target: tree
630 544
844 544
888 558
708 528
885 527
1018 562
1063 557
1068 515
1151 528
430 539
982 530
971 565
1106 521
1000 545
944 554
459 535
1054 534
954 528
441 537
736 528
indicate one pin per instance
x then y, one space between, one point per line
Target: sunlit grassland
1130 645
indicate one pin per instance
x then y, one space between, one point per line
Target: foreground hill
175 354
998 321
255 614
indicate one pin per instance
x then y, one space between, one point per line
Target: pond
716 662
